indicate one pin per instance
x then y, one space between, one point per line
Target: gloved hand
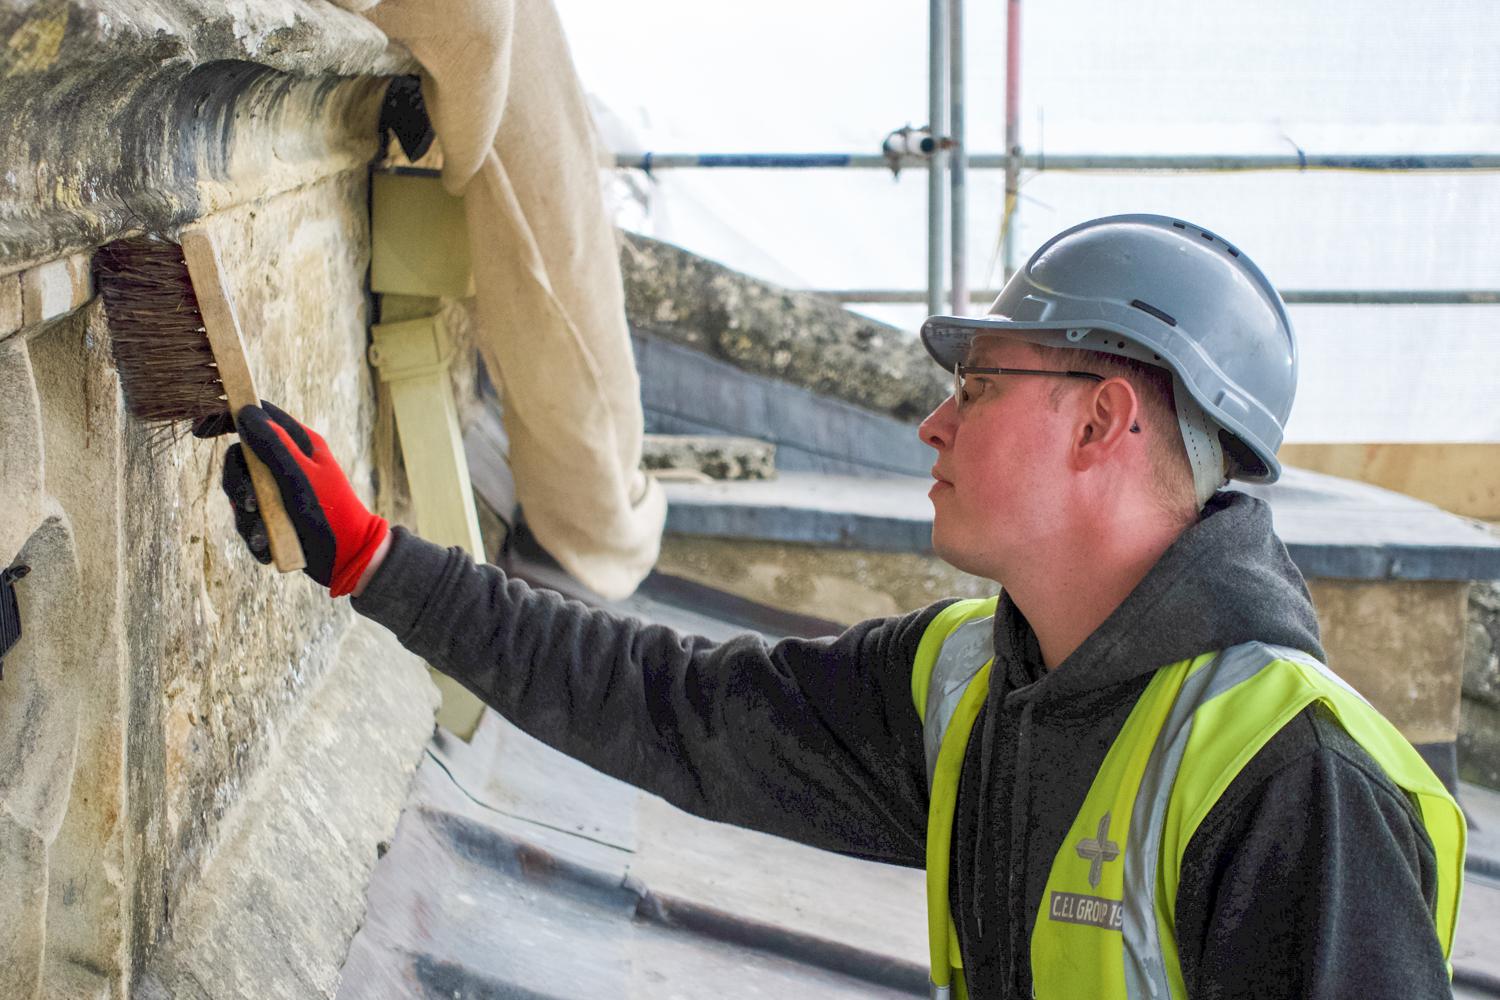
338 534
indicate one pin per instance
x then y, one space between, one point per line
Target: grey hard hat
1168 293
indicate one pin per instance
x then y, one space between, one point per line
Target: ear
1108 418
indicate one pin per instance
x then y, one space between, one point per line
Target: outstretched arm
814 740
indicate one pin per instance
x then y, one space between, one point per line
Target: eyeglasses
962 397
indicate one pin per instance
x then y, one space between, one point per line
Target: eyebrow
980 351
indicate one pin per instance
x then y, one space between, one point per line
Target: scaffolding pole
957 162
1391 162
937 72
1295 297
1012 136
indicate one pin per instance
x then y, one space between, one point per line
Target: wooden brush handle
223 329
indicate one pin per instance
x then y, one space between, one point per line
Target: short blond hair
1172 473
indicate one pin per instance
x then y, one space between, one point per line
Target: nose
938 429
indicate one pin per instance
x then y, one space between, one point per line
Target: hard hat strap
1200 436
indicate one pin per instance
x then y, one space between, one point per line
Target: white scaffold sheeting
1175 77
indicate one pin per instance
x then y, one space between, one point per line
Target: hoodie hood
1228 579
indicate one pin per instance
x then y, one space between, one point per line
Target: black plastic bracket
404 114
10 611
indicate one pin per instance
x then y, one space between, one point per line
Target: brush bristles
166 364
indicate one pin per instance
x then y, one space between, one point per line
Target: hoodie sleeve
812 740
1311 877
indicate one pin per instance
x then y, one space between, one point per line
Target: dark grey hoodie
1312 877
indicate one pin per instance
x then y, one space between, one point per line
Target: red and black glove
339 535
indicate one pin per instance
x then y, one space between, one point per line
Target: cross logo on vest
1080 908
1098 849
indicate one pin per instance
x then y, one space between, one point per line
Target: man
1129 776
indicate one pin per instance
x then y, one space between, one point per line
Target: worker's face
1001 465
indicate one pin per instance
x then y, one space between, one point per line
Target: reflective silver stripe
1298 656
963 654
1145 967
936 992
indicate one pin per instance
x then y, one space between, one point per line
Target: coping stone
1333 528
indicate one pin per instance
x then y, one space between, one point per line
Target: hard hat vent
1207 236
1149 309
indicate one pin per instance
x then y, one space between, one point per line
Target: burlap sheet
519 147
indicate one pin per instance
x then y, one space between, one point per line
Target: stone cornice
129 116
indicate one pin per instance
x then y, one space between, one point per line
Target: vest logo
1092 911
1096 850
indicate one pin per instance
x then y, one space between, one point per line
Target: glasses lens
958 388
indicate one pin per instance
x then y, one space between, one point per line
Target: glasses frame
962 371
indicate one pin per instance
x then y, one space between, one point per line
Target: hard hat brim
947 338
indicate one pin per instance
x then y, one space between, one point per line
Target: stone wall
195 753
1479 731
1398 643
806 340
840 585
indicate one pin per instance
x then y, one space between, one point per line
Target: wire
448 770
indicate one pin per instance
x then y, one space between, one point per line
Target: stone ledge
734 458
292 36
843 585
141 117
1333 528
284 894
799 338
686 391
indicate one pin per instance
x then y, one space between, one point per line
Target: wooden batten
1463 478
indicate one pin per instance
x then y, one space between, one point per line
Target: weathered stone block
23 910
10 304
800 338
21 466
146 117
712 457
41 703
69 665
842 585
1479 743
279 903
1400 644
1482 651
55 288
161 669
224 650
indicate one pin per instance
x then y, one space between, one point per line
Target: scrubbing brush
178 348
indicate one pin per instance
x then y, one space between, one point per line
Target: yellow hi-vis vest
1105 929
